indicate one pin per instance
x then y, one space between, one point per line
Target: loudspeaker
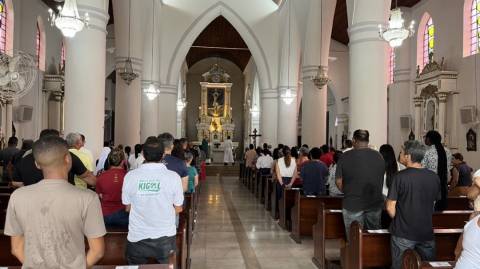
468 114
406 122
23 113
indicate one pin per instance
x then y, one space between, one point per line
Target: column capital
442 97
418 101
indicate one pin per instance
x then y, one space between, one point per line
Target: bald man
54 216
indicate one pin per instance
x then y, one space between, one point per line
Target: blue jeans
118 219
160 249
369 219
398 245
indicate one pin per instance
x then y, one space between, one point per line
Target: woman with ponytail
438 160
285 170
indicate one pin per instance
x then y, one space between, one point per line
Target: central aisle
233 230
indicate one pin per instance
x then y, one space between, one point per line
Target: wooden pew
4 198
372 248
285 206
273 201
145 266
306 210
411 260
458 203
6 189
269 185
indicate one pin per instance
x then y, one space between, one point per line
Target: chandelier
396 32
127 73
288 95
321 79
151 92
67 19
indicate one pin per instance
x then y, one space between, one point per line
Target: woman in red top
109 189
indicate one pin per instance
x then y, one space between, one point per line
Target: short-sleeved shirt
175 164
109 186
27 172
6 155
250 157
314 175
327 158
152 191
54 217
464 175
362 173
192 173
415 190
87 162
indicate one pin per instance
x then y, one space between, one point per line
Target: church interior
231 73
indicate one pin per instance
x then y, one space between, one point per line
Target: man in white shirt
264 162
153 195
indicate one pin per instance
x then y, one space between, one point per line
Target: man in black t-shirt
359 175
26 172
410 203
173 163
314 174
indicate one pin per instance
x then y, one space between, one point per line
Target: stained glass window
475 21
3 31
37 47
391 66
428 40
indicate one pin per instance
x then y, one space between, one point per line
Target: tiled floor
234 231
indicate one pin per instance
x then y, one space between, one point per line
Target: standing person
128 152
285 168
87 151
314 174
348 145
48 221
332 187
359 175
102 160
109 189
192 173
228 151
74 141
391 166
6 156
303 158
264 163
250 157
410 204
171 162
205 147
327 156
266 149
151 233
438 159
132 164
461 172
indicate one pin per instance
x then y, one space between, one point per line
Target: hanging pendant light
288 96
127 73
67 19
321 79
152 92
396 32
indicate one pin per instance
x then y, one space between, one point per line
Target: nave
233 230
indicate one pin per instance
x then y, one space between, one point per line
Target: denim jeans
118 219
369 219
425 249
160 249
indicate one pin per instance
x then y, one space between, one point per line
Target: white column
288 82
454 143
418 101
368 68
399 103
149 124
128 97
317 46
85 76
9 118
167 109
442 112
269 116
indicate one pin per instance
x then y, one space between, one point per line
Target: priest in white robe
228 151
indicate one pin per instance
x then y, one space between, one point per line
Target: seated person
109 189
192 173
332 187
467 252
314 174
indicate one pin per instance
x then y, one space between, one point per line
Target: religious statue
471 140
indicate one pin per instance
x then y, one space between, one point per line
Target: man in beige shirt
250 157
49 220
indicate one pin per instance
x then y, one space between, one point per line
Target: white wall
25 27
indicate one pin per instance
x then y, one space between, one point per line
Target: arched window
3 31
38 46
425 40
471 22
391 65
6 28
428 40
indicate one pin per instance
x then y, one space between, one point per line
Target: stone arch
197 26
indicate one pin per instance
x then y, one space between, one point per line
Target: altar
215 121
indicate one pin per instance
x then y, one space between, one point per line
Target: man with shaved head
48 221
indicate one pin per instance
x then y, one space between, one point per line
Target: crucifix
254 137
